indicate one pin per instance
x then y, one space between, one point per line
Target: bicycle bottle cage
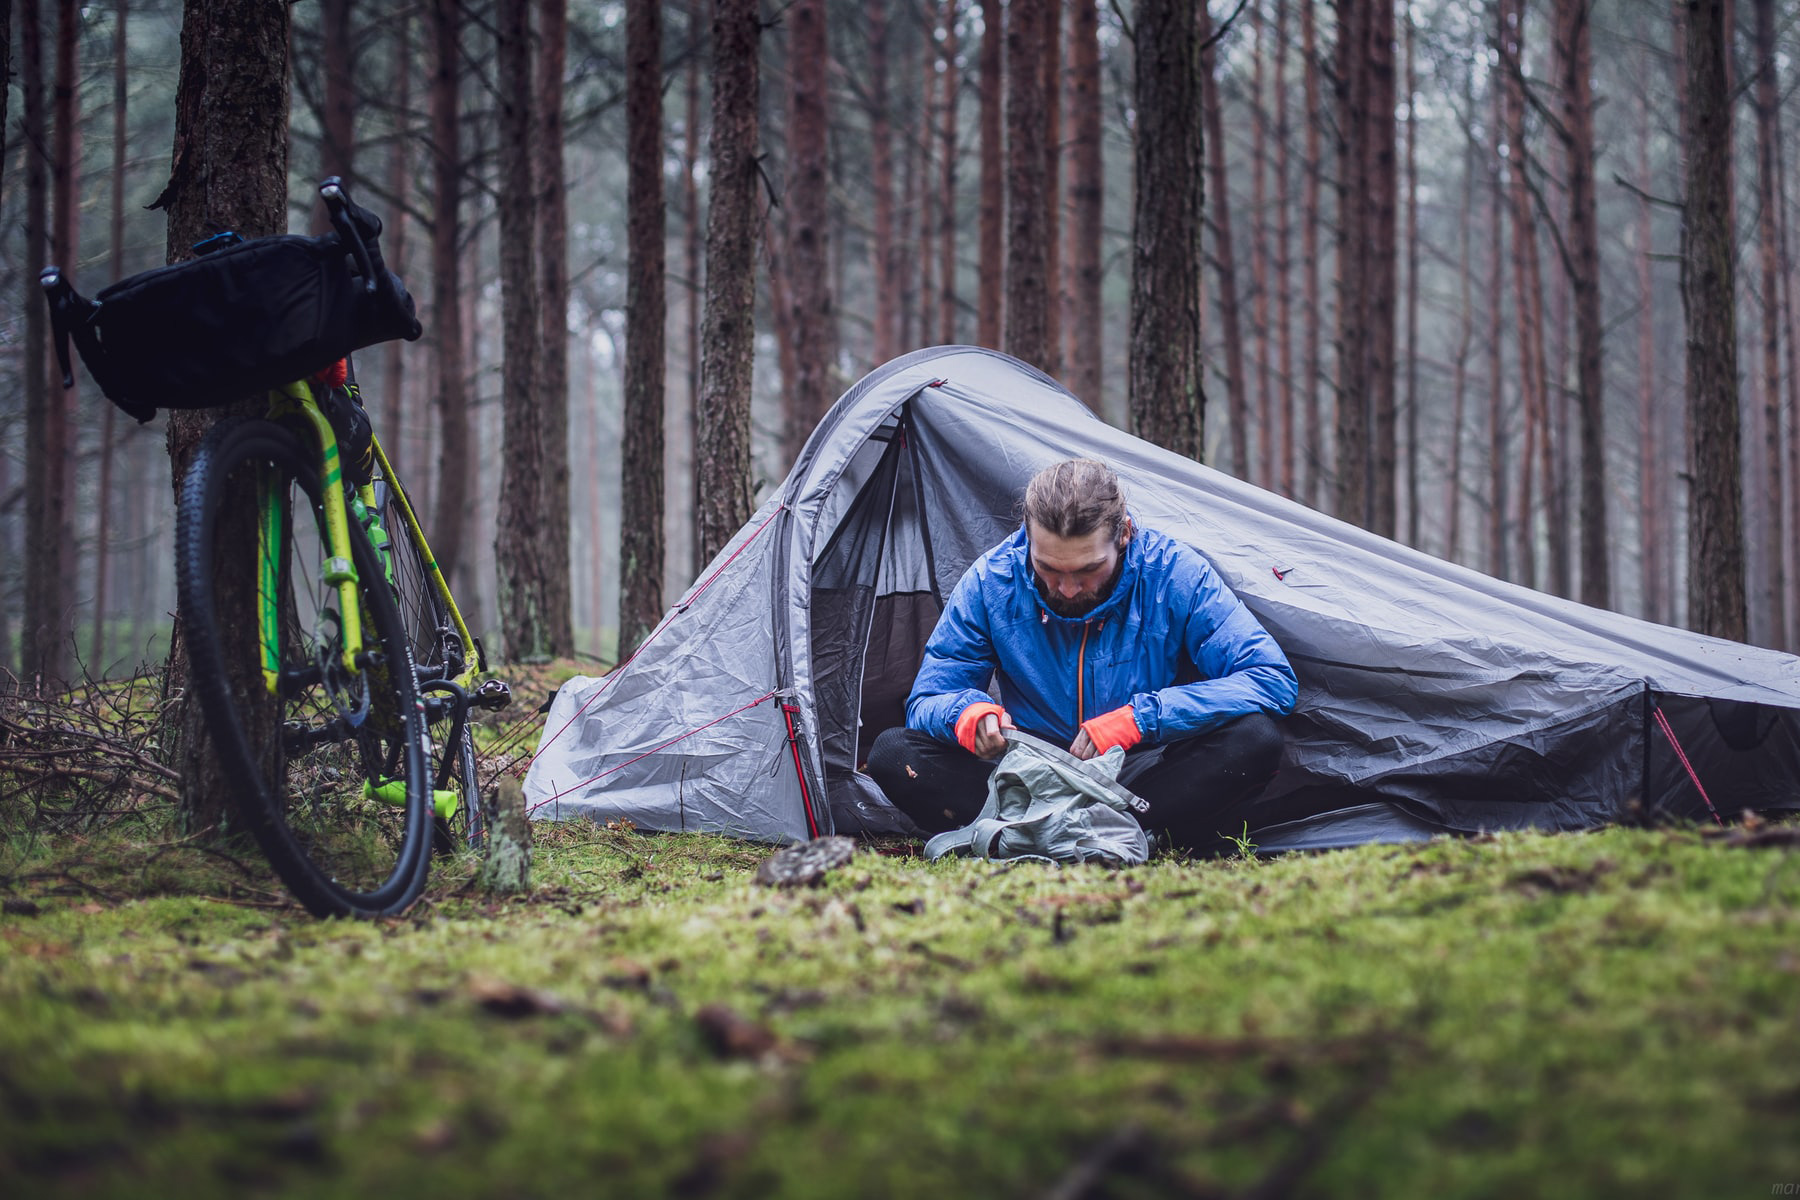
241 318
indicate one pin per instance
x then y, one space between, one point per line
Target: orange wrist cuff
971 716
1115 728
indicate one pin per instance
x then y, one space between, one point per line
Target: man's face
1073 574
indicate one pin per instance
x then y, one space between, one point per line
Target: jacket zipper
1081 673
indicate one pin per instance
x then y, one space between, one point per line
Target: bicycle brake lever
338 205
56 292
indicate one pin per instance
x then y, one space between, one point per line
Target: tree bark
1312 451
1459 387
43 640
1584 236
1383 179
1496 291
103 505
1652 531
1050 55
456 462
989 295
1237 404
692 236
1793 384
520 548
1412 296
228 170
1167 398
808 232
1716 603
1086 192
1527 291
6 73
1283 266
1260 283
881 178
1768 108
337 140
553 297
641 559
393 401
730 324
1027 260
947 222
1355 497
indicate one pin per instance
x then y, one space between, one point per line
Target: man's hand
1083 746
989 741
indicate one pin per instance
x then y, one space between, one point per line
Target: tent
1432 698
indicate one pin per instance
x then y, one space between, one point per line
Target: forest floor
1615 1013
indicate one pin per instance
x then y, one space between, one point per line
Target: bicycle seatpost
337 203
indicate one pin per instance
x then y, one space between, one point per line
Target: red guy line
653 750
613 676
1682 755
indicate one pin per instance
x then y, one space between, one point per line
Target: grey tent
1432 698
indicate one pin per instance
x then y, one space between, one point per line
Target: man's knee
887 756
1256 741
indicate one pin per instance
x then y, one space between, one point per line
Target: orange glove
971 717
1115 728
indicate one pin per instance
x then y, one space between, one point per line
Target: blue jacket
1169 619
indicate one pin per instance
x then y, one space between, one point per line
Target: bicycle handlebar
338 204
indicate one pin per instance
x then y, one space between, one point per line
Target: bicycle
362 760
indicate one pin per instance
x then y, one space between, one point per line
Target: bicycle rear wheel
439 656
341 802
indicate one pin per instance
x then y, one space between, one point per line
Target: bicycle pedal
493 695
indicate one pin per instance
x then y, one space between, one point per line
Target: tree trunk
947 222
103 505
520 549
392 401
989 285
1050 54
228 170
6 73
1383 180
692 235
1793 384
1459 387
641 559
1527 290
456 461
1260 283
553 296
1496 291
43 641
1283 266
1768 108
337 135
1168 400
1086 191
1027 305
1312 451
923 139
881 178
1412 296
1651 531
1237 405
808 239
730 326
1355 498
1584 236
1716 603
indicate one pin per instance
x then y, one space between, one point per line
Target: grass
1606 1014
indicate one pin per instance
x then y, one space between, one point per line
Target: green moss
1536 1015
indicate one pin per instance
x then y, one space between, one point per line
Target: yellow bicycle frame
416 534
339 566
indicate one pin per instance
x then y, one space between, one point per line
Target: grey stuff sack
1045 803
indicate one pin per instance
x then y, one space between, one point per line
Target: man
1099 634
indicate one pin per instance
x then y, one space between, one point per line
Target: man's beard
1081 603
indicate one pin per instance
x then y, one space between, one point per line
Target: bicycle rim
340 805
439 655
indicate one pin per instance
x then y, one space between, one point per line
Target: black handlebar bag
241 319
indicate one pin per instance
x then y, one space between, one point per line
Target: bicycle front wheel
340 803
440 657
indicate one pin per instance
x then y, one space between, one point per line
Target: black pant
1189 784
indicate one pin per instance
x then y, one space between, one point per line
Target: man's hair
1072 499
